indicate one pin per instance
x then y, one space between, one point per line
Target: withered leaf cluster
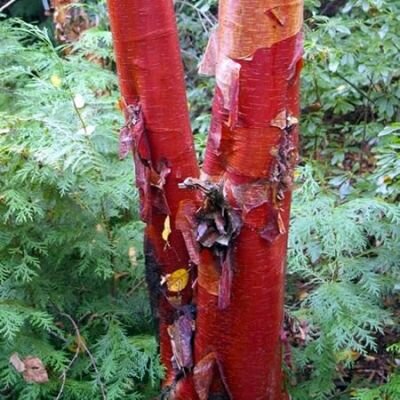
216 225
70 20
31 368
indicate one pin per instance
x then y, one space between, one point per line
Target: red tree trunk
242 223
252 148
152 85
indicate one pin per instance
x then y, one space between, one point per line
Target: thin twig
318 95
69 90
212 22
84 126
7 5
64 374
354 87
82 344
84 316
137 286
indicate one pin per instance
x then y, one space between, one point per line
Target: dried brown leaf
181 333
17 363
32 368
35 371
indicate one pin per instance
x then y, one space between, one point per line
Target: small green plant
72 291
387 173
343 263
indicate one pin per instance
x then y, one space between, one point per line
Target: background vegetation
71 265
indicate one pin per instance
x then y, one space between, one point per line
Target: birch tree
215 245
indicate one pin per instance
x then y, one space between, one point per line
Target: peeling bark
158 133
252 152
233 224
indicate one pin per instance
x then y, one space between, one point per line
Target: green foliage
389 390
347 254
70 239
343 255
387 173
196 21
351 73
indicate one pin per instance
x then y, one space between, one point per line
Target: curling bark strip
256 56
158 131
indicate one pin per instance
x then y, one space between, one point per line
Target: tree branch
87 351
64 374
8 4
361 92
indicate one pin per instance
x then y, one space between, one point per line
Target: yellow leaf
178 280
347 355
56 81
99 228
78 345
167 229
303 295
387 179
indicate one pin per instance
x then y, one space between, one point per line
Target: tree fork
237 236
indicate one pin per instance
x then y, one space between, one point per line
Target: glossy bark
151 77
252 150
251 154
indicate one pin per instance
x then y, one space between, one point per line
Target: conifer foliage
71 271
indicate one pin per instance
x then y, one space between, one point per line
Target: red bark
251 154
252 150
152 85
